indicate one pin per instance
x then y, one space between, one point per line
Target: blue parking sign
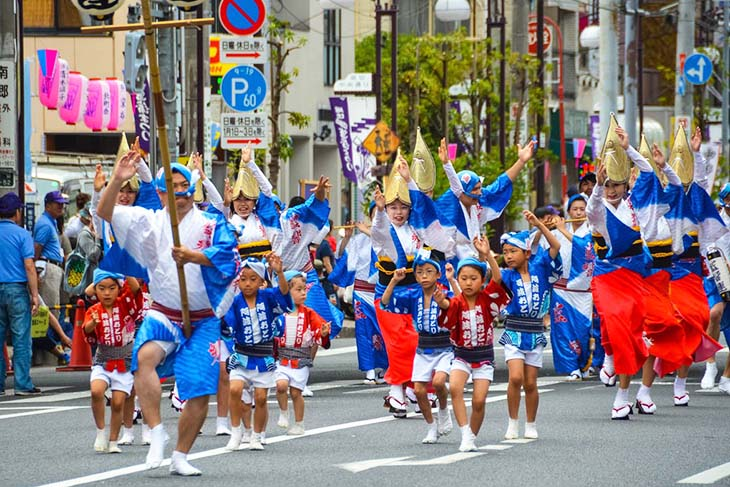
243 88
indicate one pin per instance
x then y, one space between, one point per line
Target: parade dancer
469 205
434 354
251 319
300 224
303 331
111 324
160 349
575 340
356 253
529 279
404 220
664 326
469 316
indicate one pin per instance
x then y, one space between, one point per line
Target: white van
70 180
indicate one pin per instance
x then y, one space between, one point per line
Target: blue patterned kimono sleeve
401 301
147 197
313 212
222 253
232 318
341 276
494 198
267 213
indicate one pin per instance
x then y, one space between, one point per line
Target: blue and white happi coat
530 300
469 223
426 321
259 325
300 226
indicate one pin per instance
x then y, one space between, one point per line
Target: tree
433 73
282 42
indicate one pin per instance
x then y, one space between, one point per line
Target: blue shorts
194 362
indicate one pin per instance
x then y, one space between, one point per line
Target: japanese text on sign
8 115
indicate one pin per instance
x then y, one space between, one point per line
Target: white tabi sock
644 393
608 363
622 397
396 391
466 431
680 386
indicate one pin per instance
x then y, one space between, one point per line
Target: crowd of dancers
633 279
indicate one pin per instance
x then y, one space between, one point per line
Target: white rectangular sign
244 50
8 115
239 129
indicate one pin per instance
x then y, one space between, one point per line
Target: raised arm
524 154
549 236
481 243
125 169
398 276
264 184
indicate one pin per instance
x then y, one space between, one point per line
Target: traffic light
135 65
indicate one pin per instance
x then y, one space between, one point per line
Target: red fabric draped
688 296
401 341
619 300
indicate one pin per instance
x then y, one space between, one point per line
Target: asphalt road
351 440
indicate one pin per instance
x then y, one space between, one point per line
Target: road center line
42 411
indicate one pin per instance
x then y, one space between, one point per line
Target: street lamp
452 10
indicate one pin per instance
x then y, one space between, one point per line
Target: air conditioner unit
325 128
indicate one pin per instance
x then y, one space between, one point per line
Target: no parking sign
242 17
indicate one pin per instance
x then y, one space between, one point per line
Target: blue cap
575 198
56 197
10 203
180 169
521 240
469 180
472 262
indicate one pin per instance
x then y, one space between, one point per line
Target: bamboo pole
165 24
156 86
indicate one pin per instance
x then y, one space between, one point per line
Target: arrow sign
698 69
239 129
242 17
244 50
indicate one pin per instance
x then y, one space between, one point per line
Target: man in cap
18 292
208 251
48 251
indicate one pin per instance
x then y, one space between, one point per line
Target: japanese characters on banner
8 121
354 119
142 121
100 103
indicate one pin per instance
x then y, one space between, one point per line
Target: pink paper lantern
118 102
73 109
52 78
98 105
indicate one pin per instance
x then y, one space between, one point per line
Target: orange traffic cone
80 348
8 362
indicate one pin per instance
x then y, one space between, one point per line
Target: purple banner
341 117
595 130
142 122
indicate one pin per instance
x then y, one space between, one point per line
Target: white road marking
336 351
120 472
708 476
357 467
64 396
41 411
495 447
444 460
518 441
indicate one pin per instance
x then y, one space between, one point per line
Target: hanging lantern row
99 103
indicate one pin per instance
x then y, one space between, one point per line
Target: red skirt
619 300
401 342
662 324
688 296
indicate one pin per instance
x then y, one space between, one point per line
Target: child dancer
469 317
254 327
111 322
303 330
530 281
435 352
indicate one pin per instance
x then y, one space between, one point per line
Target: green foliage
434 71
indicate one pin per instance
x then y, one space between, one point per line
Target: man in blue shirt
48 251
17 278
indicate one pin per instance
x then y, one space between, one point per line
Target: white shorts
247 394
297 378
115 380
167 347
532 358
484 372
259 380
427 364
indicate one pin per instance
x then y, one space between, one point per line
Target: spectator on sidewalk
74 225
48 251
18 292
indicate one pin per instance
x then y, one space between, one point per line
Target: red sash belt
176 315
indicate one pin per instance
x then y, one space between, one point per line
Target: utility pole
12 163
608 67
685 47
539 170
630 102
726 86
